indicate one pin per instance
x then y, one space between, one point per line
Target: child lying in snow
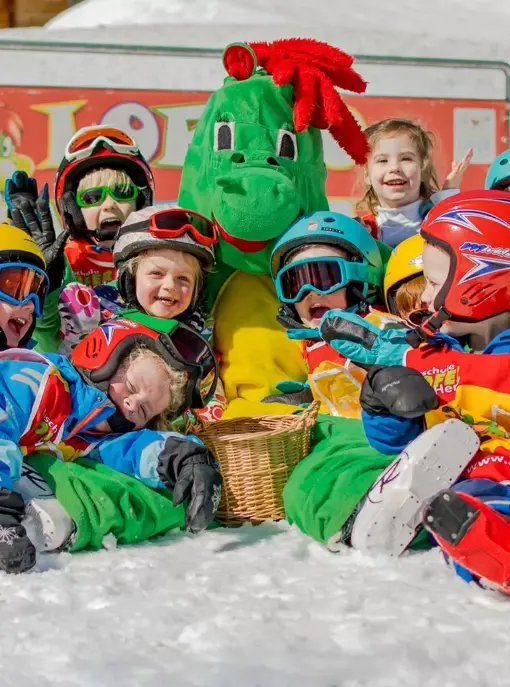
124 383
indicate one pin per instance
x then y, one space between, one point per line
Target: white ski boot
390 514
47 524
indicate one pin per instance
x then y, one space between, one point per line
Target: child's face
436 265
165 282
314 305
15 320
394 171
111 213
140 391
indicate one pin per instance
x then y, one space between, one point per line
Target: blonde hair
408 295
177 386
198 269
423 140
105 177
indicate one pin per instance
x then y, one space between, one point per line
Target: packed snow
252 607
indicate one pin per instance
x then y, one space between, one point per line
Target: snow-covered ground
250 607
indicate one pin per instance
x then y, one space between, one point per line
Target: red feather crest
315 69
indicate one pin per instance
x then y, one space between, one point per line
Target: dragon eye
286 145
224 135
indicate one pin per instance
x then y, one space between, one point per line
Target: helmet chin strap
119 424
106 234
430 327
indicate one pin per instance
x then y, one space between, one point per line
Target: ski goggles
122 193
21 283
174 222
186 350
85 141
322 275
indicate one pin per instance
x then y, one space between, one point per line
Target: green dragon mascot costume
254 166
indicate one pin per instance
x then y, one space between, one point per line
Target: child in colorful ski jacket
102 178
326 261
108 403
463 357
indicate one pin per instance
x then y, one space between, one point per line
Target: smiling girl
401 183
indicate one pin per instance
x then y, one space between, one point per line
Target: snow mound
466 20
256 606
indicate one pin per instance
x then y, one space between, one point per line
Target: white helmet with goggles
161 227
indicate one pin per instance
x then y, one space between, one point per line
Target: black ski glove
72 215
190 470
397 390
40 227
19 187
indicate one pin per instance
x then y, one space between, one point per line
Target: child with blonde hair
102 178
110 402
401 182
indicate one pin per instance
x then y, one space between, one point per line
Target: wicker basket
256 456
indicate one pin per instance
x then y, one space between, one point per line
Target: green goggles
122 193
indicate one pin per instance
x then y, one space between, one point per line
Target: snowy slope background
263 606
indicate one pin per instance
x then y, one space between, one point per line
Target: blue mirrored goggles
322 275
21 283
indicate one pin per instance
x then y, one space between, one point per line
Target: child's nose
108 203
168 282
131 403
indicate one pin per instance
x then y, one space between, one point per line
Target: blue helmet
333 229
498 176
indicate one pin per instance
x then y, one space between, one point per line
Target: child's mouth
108 228
395 182
168 302
316 312
17 324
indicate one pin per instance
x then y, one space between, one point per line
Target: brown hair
192 261
424 143
408 296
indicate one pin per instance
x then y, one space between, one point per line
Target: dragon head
256 161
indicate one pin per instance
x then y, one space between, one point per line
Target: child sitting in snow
401 183
325 262
464 362
122 378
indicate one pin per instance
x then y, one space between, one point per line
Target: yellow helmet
18 246
404 264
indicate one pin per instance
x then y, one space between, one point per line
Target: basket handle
310 413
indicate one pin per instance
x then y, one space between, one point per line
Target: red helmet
474 229
99 146
99 354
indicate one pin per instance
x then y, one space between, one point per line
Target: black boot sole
19 563
449 516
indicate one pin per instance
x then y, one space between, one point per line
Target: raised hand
454 178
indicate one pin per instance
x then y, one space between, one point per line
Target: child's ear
366 177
